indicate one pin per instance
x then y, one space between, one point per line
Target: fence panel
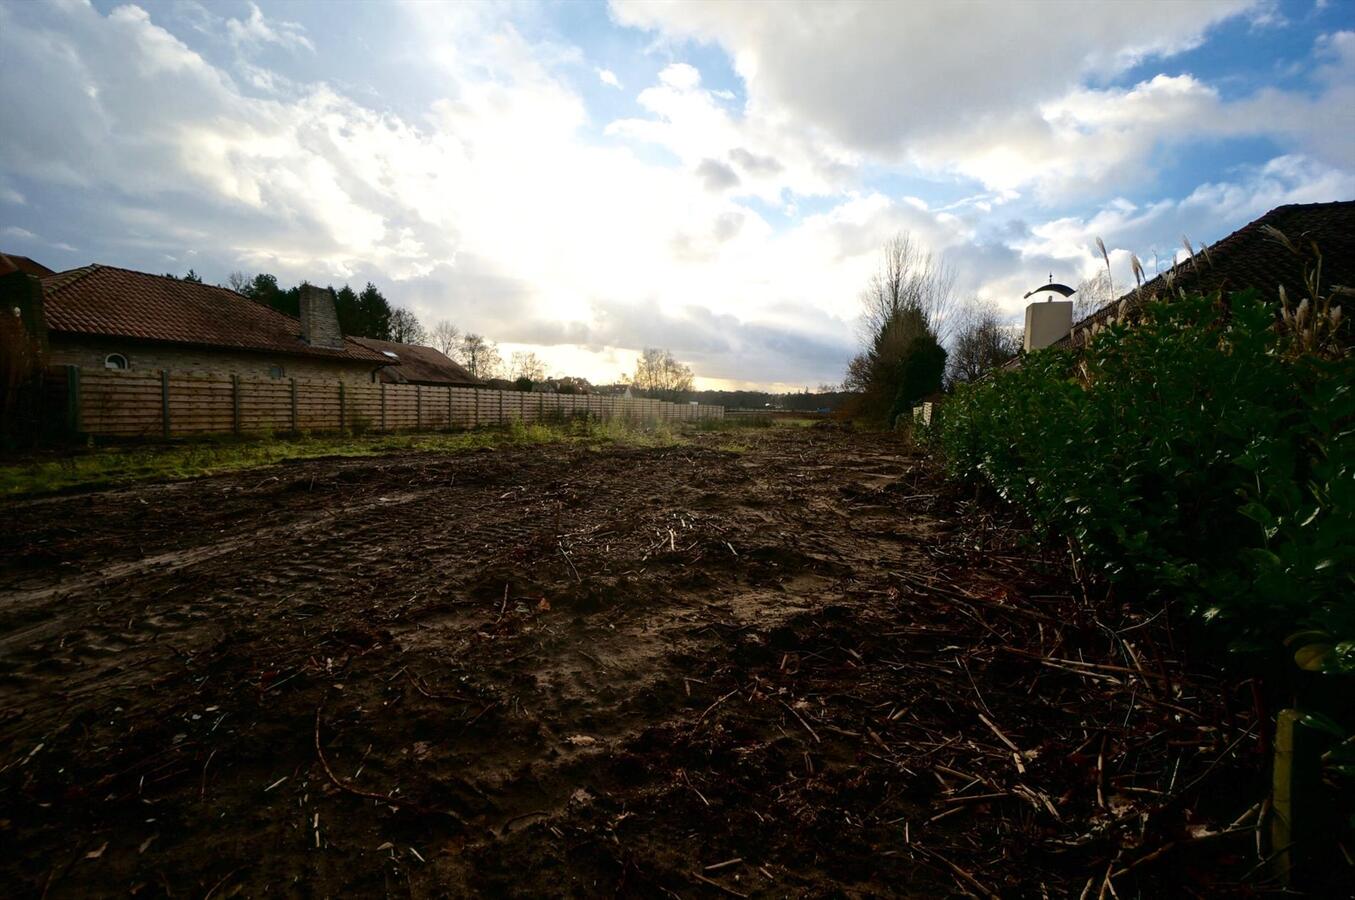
317 405
265 405
362 407
201 405
135 404
120 403
402 407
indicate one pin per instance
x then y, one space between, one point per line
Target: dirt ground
800 666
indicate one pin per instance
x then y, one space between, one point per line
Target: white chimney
1047 322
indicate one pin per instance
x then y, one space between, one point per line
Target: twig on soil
591 658
339 782
717 885
202 794
959 872
216 886
371 795
571 563
432 696
998 731
720 865
701 717
802 721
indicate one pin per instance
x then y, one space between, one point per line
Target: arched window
115 361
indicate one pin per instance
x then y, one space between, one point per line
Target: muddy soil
688 671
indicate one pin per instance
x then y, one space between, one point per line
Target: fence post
383 406
342 405
476 423
295 429
418 407
164 402
73 399
500 393
235 404
449 407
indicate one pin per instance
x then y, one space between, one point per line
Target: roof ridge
166 277
85 271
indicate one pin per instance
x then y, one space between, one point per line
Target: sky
583 180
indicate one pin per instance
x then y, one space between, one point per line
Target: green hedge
1197 455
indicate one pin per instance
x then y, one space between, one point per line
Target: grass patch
111 465
734 423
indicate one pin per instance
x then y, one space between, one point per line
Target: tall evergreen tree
920 373
263 288
349 311
375 314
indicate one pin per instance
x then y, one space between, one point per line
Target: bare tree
908 308
527 365
909 278
405 327
658 370
983 343
480 356
238 282
445 337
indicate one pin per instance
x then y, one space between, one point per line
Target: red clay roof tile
105 300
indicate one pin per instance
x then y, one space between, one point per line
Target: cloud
754 164
256 31
1083 143
608 77
696 126
14 231
1015 104
875 76
681 77
716 175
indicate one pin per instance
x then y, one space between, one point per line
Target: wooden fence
164 404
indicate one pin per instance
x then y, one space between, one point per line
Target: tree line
366 313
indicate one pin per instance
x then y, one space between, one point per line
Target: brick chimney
319 319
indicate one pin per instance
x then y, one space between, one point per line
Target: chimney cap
1054 287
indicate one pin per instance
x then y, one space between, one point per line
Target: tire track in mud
169 562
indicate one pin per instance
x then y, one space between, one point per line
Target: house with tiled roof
12 262
1253 257
419 365
107 317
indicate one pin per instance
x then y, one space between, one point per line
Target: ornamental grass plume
1314 324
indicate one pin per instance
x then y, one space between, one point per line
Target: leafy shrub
1199 455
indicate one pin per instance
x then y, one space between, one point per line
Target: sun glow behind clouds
734 231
